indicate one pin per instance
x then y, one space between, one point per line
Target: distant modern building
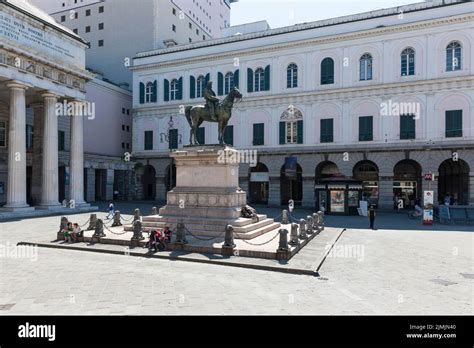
118 29
339 110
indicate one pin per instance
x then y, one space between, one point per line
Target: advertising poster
337 202
428 201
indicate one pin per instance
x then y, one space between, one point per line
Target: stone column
308 192
274 197
386 191
37 154
16 189
76 184
49 186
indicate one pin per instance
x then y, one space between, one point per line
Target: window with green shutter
327 71
220 83
192 87
237 78
148 140
366 128
173 139
258 134
267 78
299 132
201 135
166 90
229 135
249 80
454 124
142 93
154 95
407 127
327 130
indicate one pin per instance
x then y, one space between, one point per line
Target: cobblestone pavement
389 271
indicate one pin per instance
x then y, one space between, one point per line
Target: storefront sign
429 177
259 177
428 201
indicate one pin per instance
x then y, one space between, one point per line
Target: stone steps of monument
240 222
274 226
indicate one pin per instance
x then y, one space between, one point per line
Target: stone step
275 226
240 222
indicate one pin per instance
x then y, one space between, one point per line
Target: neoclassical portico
35 76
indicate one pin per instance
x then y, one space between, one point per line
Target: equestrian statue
213 111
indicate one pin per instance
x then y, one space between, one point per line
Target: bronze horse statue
197 114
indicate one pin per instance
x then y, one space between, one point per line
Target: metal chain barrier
200 238
126 220
292 218
118 234
260 244
278 217
80 226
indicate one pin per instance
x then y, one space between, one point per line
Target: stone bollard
92 223
229 245
138 231
283 246
316 221
136 215
99 229
181 234
321 220
303 229
284 217
294 241
309 224
62 226
117 218
154 211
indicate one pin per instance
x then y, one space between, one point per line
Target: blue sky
281 13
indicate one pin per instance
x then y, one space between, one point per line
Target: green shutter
154 94
327 71
148 140
180 89
201 135
173 139
236 78
407 127
229 135
366 128
142 93
282 133
249 80
167 90
267 78
299 129
220 83
454 123
208 78
192 87
327 130
258 134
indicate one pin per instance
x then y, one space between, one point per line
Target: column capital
17 85
48 94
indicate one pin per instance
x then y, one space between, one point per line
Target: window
366 67
76 15
128 128
123 145
173 27
149 92
259 80
88 29
148 140
292 76
454 56
228 82
3 134
101 9
229 135
123 111
123 127
291 127
201 135
407 127
128 111
327 71
101 26
174 90
101 43
174 11
327 130
258 134
88 13
454 124
63 19
61 141
408 62
200 85
128 145
366 128
75 31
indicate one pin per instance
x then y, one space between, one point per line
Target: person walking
111 211
372 217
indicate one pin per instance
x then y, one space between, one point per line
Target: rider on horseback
211 100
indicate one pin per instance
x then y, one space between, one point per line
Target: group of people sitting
159 239
71 232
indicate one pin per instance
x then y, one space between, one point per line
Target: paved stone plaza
389 271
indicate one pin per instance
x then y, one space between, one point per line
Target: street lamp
166 136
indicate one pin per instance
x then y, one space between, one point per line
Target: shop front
339 198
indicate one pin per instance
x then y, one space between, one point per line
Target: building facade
357 107
41 64
143 26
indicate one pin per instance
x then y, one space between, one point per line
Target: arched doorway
149 182
368 173
325 172
170 177
258 184
291 185
453 180
407 183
